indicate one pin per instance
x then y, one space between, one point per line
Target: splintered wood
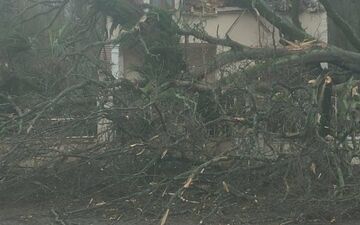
307 44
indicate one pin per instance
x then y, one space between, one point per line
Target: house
219 18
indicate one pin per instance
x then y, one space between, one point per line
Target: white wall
246 28
241 26
315 24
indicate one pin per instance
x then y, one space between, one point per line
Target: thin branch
54 101
39 14
35 5
61 7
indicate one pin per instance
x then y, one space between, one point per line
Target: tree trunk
349 10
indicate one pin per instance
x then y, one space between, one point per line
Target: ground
206 201
50 213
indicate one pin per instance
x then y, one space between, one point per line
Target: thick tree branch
283 24
280 57
345 27
283 57
333 55
295 12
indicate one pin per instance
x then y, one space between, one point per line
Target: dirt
50 213
29 215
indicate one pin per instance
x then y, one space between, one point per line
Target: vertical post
105 101
114 60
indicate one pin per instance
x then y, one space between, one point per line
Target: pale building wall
241 27
246 28
315 24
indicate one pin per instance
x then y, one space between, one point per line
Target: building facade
219 18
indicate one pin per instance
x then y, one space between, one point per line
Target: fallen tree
170 136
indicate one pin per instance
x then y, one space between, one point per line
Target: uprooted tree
278 121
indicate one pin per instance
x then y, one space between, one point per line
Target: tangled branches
168 140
